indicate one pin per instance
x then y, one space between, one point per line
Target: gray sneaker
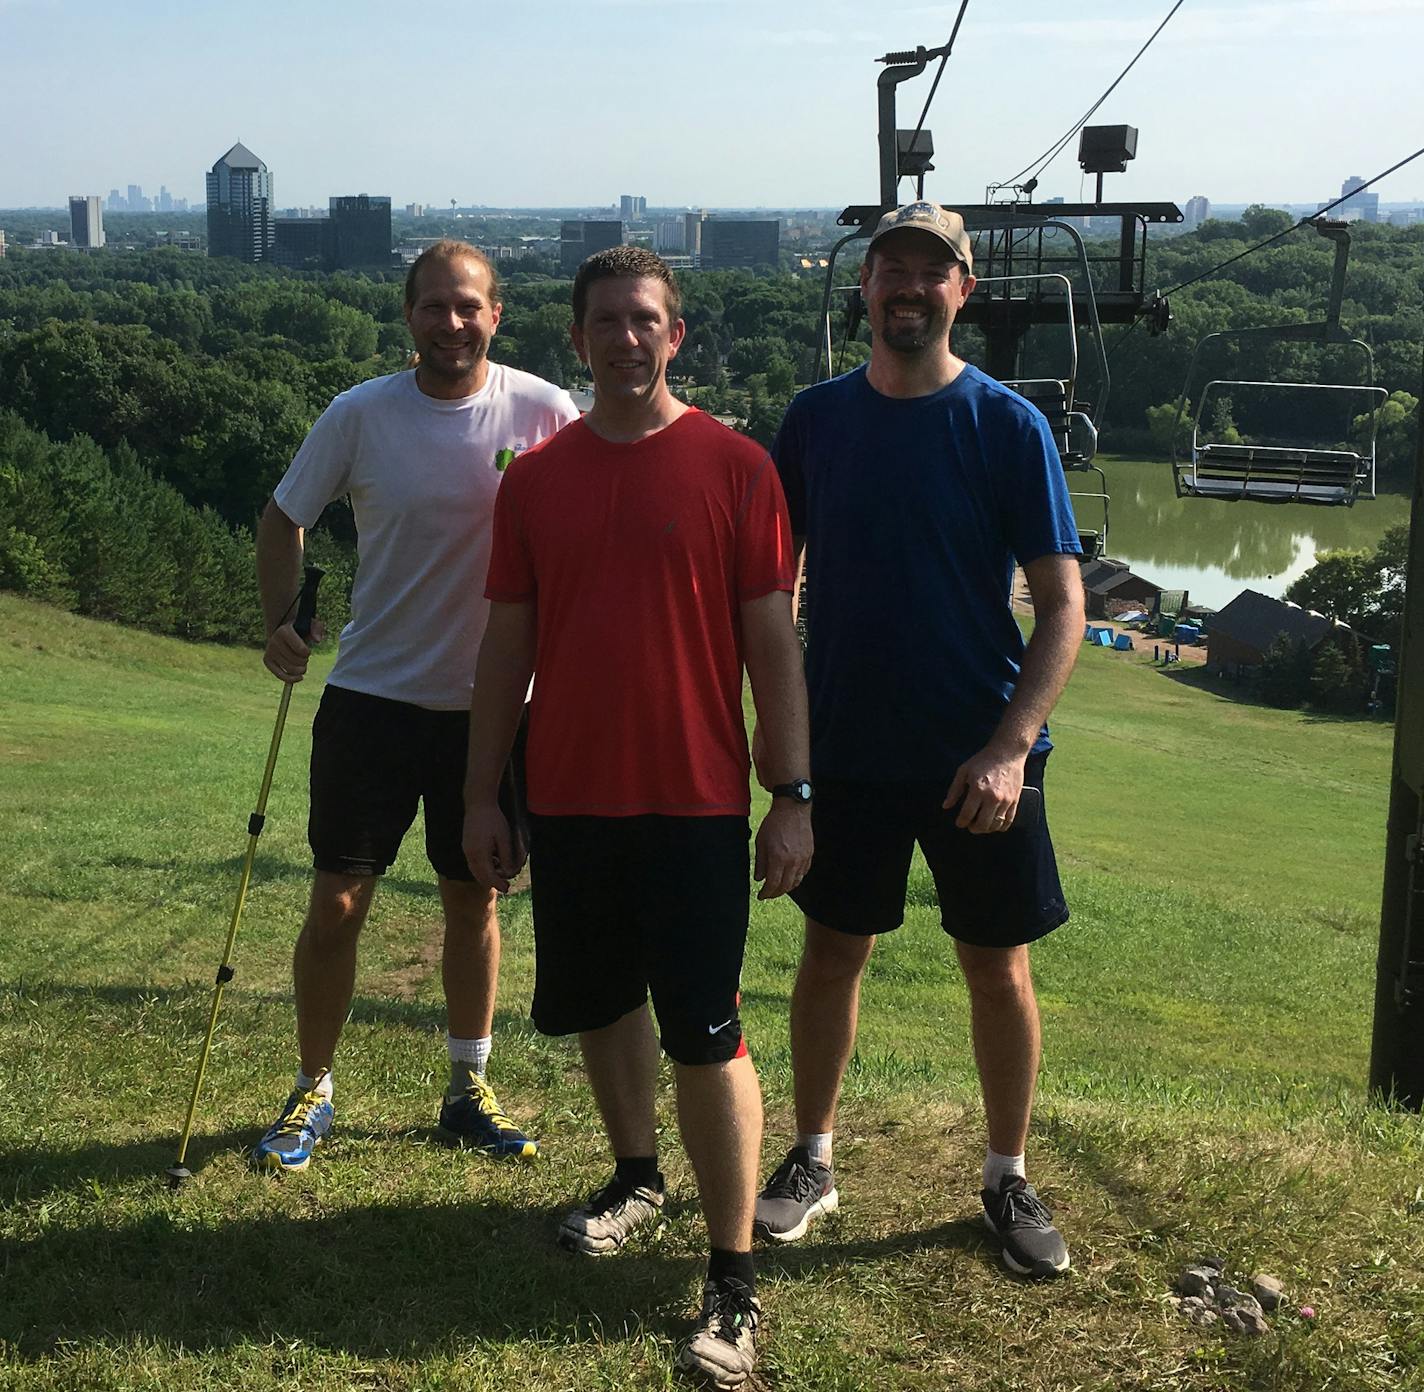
611 1217
722 1349
1023 1223
800 1190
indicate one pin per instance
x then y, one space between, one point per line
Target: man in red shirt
641 557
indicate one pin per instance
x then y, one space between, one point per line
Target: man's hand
495 856
286 655
990 784
783 848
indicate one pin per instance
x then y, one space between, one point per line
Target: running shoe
290 1140
1023 1223
475 1120
611 1217
800 1190
722 1349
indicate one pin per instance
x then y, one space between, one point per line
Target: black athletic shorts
628 905
997 889
372 762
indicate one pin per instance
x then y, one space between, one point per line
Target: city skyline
1226 100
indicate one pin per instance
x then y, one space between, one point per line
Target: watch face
799 791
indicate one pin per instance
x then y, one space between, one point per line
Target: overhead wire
939 73
1058 146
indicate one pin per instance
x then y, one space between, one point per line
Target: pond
1217 549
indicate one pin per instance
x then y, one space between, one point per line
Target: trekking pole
178 1172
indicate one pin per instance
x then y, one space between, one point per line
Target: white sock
322 1083
818 1144
997 1166
474 1052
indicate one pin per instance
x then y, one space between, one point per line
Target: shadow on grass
967 1235
380 1281
1243 693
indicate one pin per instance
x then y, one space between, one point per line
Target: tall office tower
579 240
1358 205
164 203
137 203
240 206
728 243
1197 211
86 221
360 232
692 237
115 202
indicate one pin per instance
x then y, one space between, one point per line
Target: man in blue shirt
915 485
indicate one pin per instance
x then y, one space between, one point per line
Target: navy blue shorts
373 761
624 906
998 889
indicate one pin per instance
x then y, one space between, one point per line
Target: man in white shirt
420 453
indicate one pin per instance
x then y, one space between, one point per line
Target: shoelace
299 1118
1022 1205
733 1308
793 1181
489 1104
613 1196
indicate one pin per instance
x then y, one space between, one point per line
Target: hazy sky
703 102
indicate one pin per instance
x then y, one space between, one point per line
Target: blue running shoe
290 1140
475 1120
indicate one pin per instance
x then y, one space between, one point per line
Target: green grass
1206 1019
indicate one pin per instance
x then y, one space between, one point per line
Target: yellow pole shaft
225 968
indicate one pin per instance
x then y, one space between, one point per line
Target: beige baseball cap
929 217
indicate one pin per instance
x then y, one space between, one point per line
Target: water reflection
1217 549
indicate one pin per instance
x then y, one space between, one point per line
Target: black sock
732 1266
638 1171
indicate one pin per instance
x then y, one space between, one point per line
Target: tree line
201 376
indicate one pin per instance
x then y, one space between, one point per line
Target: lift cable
1265 242
1054 150
1295 227
939 73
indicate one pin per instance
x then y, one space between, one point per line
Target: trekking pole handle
306 602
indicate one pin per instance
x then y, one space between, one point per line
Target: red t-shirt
638 557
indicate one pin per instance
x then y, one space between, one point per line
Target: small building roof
1257 620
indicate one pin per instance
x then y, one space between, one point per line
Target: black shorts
372 762
628 905
998 889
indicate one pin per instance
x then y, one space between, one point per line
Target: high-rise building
164 202
579 240
360 232
1197 211
300 242
670 234
632 206
240 206
729 243
86 221
115 201
2 243
1364 206
692 236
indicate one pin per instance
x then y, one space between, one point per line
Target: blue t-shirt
914 513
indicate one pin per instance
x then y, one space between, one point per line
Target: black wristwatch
799 791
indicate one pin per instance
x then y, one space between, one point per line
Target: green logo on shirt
503 459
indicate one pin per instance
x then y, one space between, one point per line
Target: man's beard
902 337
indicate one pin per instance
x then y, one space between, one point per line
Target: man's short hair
634 262
449 249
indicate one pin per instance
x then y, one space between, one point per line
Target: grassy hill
1206 1021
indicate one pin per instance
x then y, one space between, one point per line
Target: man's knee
832 956
996 973
470 908
338 908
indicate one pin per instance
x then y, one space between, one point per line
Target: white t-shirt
422 475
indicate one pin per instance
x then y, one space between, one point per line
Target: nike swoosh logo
716 1029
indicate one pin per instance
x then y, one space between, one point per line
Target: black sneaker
610 1217
1021 1220
722 1349
802 1189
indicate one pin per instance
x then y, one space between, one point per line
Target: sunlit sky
719 103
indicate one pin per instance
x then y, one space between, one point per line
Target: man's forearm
279 565
774 667
502 675
1047 663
